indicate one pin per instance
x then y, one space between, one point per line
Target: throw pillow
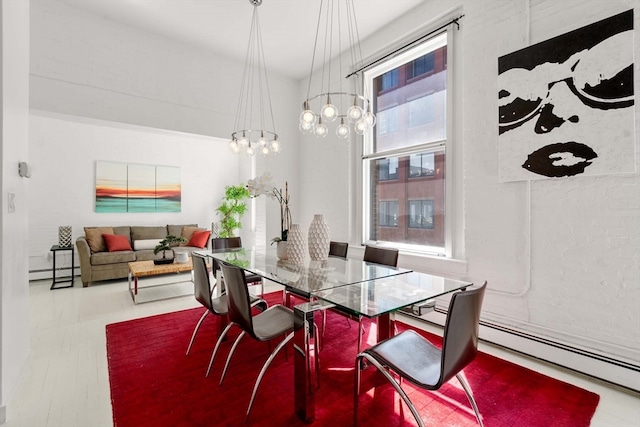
187 233
94 237
199 238
116 242
143 244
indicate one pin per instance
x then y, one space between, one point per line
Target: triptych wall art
124 187
566 105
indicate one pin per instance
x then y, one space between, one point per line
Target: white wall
14 116
581 290
64 152
561 256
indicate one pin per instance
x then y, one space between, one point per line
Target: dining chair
203 293
232 243
412 357
376 255
270 324
338 249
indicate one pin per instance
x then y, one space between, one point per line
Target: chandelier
348 109
250 134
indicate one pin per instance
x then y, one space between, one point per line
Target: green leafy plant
232 208
167 244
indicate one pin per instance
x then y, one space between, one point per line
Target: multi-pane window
388 213
387 169
421 214
387 120
408 165
424 64
389 80
422 164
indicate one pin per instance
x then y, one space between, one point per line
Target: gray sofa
97 263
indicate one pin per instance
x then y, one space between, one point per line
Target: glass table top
376 297
309 276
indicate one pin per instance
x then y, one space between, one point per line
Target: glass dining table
350 286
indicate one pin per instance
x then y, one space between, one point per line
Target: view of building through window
405 160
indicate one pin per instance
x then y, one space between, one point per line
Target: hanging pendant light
251 134
349 109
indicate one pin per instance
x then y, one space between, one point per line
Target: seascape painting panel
136 188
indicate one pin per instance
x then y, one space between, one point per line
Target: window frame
453 181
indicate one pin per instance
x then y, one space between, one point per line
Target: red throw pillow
199 239
116 242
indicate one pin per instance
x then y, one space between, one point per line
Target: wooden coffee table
139 269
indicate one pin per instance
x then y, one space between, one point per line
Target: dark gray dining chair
234 243
376 255
203 291
412 357
270 324
338 249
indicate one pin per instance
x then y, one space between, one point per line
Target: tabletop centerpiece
264 185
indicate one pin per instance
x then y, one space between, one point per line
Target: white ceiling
288 26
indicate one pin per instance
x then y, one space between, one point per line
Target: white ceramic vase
296 245
318 239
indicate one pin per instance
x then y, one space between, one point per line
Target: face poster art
566 105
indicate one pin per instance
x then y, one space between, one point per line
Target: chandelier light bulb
265 149
262 142
354 113
342 130
370 119
243 142
329 112
305 127
275 146
320 130
250 151
307 116
361 127
233 146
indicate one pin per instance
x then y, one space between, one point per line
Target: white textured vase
296 245
318 239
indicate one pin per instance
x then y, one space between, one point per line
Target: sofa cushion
187 232
94 237
146 233
140 245
176 230
199 238
117 242
103 258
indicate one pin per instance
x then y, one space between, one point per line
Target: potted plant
264 185
232 208
167 244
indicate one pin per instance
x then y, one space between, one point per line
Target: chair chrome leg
356 388
467 390
263 370
360 330
395 385
233 349
215 349
195 331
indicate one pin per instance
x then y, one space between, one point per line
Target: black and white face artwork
566 105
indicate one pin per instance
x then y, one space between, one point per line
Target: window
409 164
421 165
421 214
422 65
388 214
387 120
389 80
387 169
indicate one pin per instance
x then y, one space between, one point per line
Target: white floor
65 381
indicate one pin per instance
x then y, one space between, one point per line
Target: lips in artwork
561 159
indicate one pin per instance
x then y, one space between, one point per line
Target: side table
55 249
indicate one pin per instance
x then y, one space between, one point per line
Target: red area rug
153 383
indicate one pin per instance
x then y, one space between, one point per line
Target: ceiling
288 26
